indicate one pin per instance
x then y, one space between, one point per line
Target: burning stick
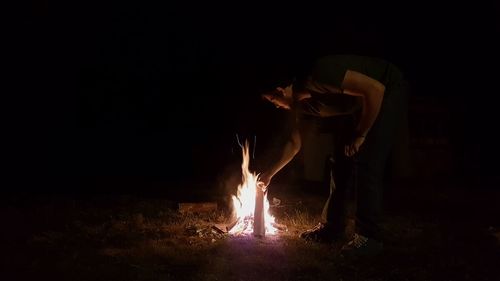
231 225
259 226
218 229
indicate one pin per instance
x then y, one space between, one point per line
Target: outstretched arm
290 149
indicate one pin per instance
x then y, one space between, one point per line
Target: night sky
160 90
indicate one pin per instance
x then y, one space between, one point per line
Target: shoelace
358 241
317 227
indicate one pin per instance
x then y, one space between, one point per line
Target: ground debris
205 231
203 207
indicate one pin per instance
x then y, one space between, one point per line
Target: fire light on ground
250 206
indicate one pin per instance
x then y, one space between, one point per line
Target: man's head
280 97
277 85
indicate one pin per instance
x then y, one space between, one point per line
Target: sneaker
362 246
320 233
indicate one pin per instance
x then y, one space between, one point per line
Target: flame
244 202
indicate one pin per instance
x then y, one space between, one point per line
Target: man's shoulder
341 58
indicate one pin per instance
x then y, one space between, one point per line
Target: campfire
250 205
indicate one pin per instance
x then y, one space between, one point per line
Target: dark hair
281 71
272 77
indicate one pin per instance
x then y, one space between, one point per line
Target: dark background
157 92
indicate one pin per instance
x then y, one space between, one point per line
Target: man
370 90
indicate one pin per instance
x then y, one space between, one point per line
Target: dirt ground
433 233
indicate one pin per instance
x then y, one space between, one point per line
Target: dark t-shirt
331 69
328 74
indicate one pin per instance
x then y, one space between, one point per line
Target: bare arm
290 149
372 91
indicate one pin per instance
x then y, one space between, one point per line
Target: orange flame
244 202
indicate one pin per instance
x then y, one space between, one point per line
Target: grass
430 237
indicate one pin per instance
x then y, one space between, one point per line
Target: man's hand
263 181
353 148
